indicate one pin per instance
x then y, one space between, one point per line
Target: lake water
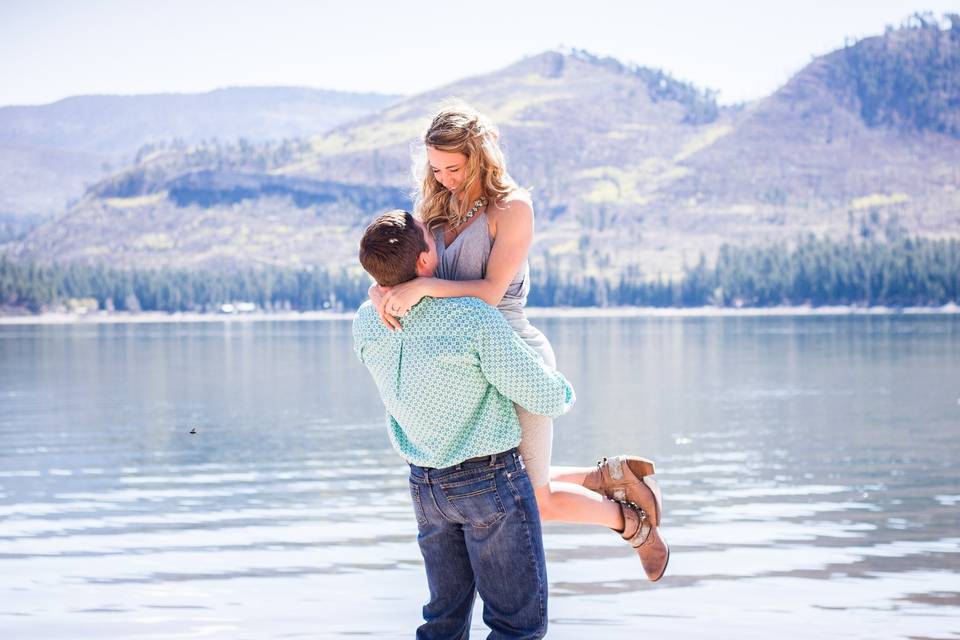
809 468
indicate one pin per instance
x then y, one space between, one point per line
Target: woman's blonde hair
458 128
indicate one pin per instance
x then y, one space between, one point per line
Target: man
449 380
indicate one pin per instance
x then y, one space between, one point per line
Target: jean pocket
417 506
477 499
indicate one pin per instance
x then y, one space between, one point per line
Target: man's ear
422 260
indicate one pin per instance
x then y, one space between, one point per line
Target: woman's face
447 167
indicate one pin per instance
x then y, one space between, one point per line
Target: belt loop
493 460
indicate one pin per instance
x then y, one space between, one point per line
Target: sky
51 49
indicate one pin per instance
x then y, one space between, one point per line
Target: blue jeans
479 530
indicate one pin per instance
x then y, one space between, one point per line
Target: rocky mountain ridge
49 154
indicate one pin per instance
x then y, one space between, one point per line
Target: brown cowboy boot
625 479
645 538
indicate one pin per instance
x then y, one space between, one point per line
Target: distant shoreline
534 312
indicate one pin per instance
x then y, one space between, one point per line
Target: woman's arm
513 235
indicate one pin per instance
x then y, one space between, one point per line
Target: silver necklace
481 201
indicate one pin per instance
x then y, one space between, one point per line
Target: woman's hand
378 298
399 299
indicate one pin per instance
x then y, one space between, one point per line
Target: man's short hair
390 247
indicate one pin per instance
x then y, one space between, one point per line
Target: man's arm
361 329
518 372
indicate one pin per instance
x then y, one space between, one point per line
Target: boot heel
640 466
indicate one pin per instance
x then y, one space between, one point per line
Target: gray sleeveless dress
466 259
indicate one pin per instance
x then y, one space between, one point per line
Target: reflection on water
809 470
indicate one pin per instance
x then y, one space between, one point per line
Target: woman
483 225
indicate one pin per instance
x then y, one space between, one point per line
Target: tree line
39 287
898 271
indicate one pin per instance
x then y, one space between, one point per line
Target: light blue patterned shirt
450 378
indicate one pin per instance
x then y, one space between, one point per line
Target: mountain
50 153
870 130
546 105
630 168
